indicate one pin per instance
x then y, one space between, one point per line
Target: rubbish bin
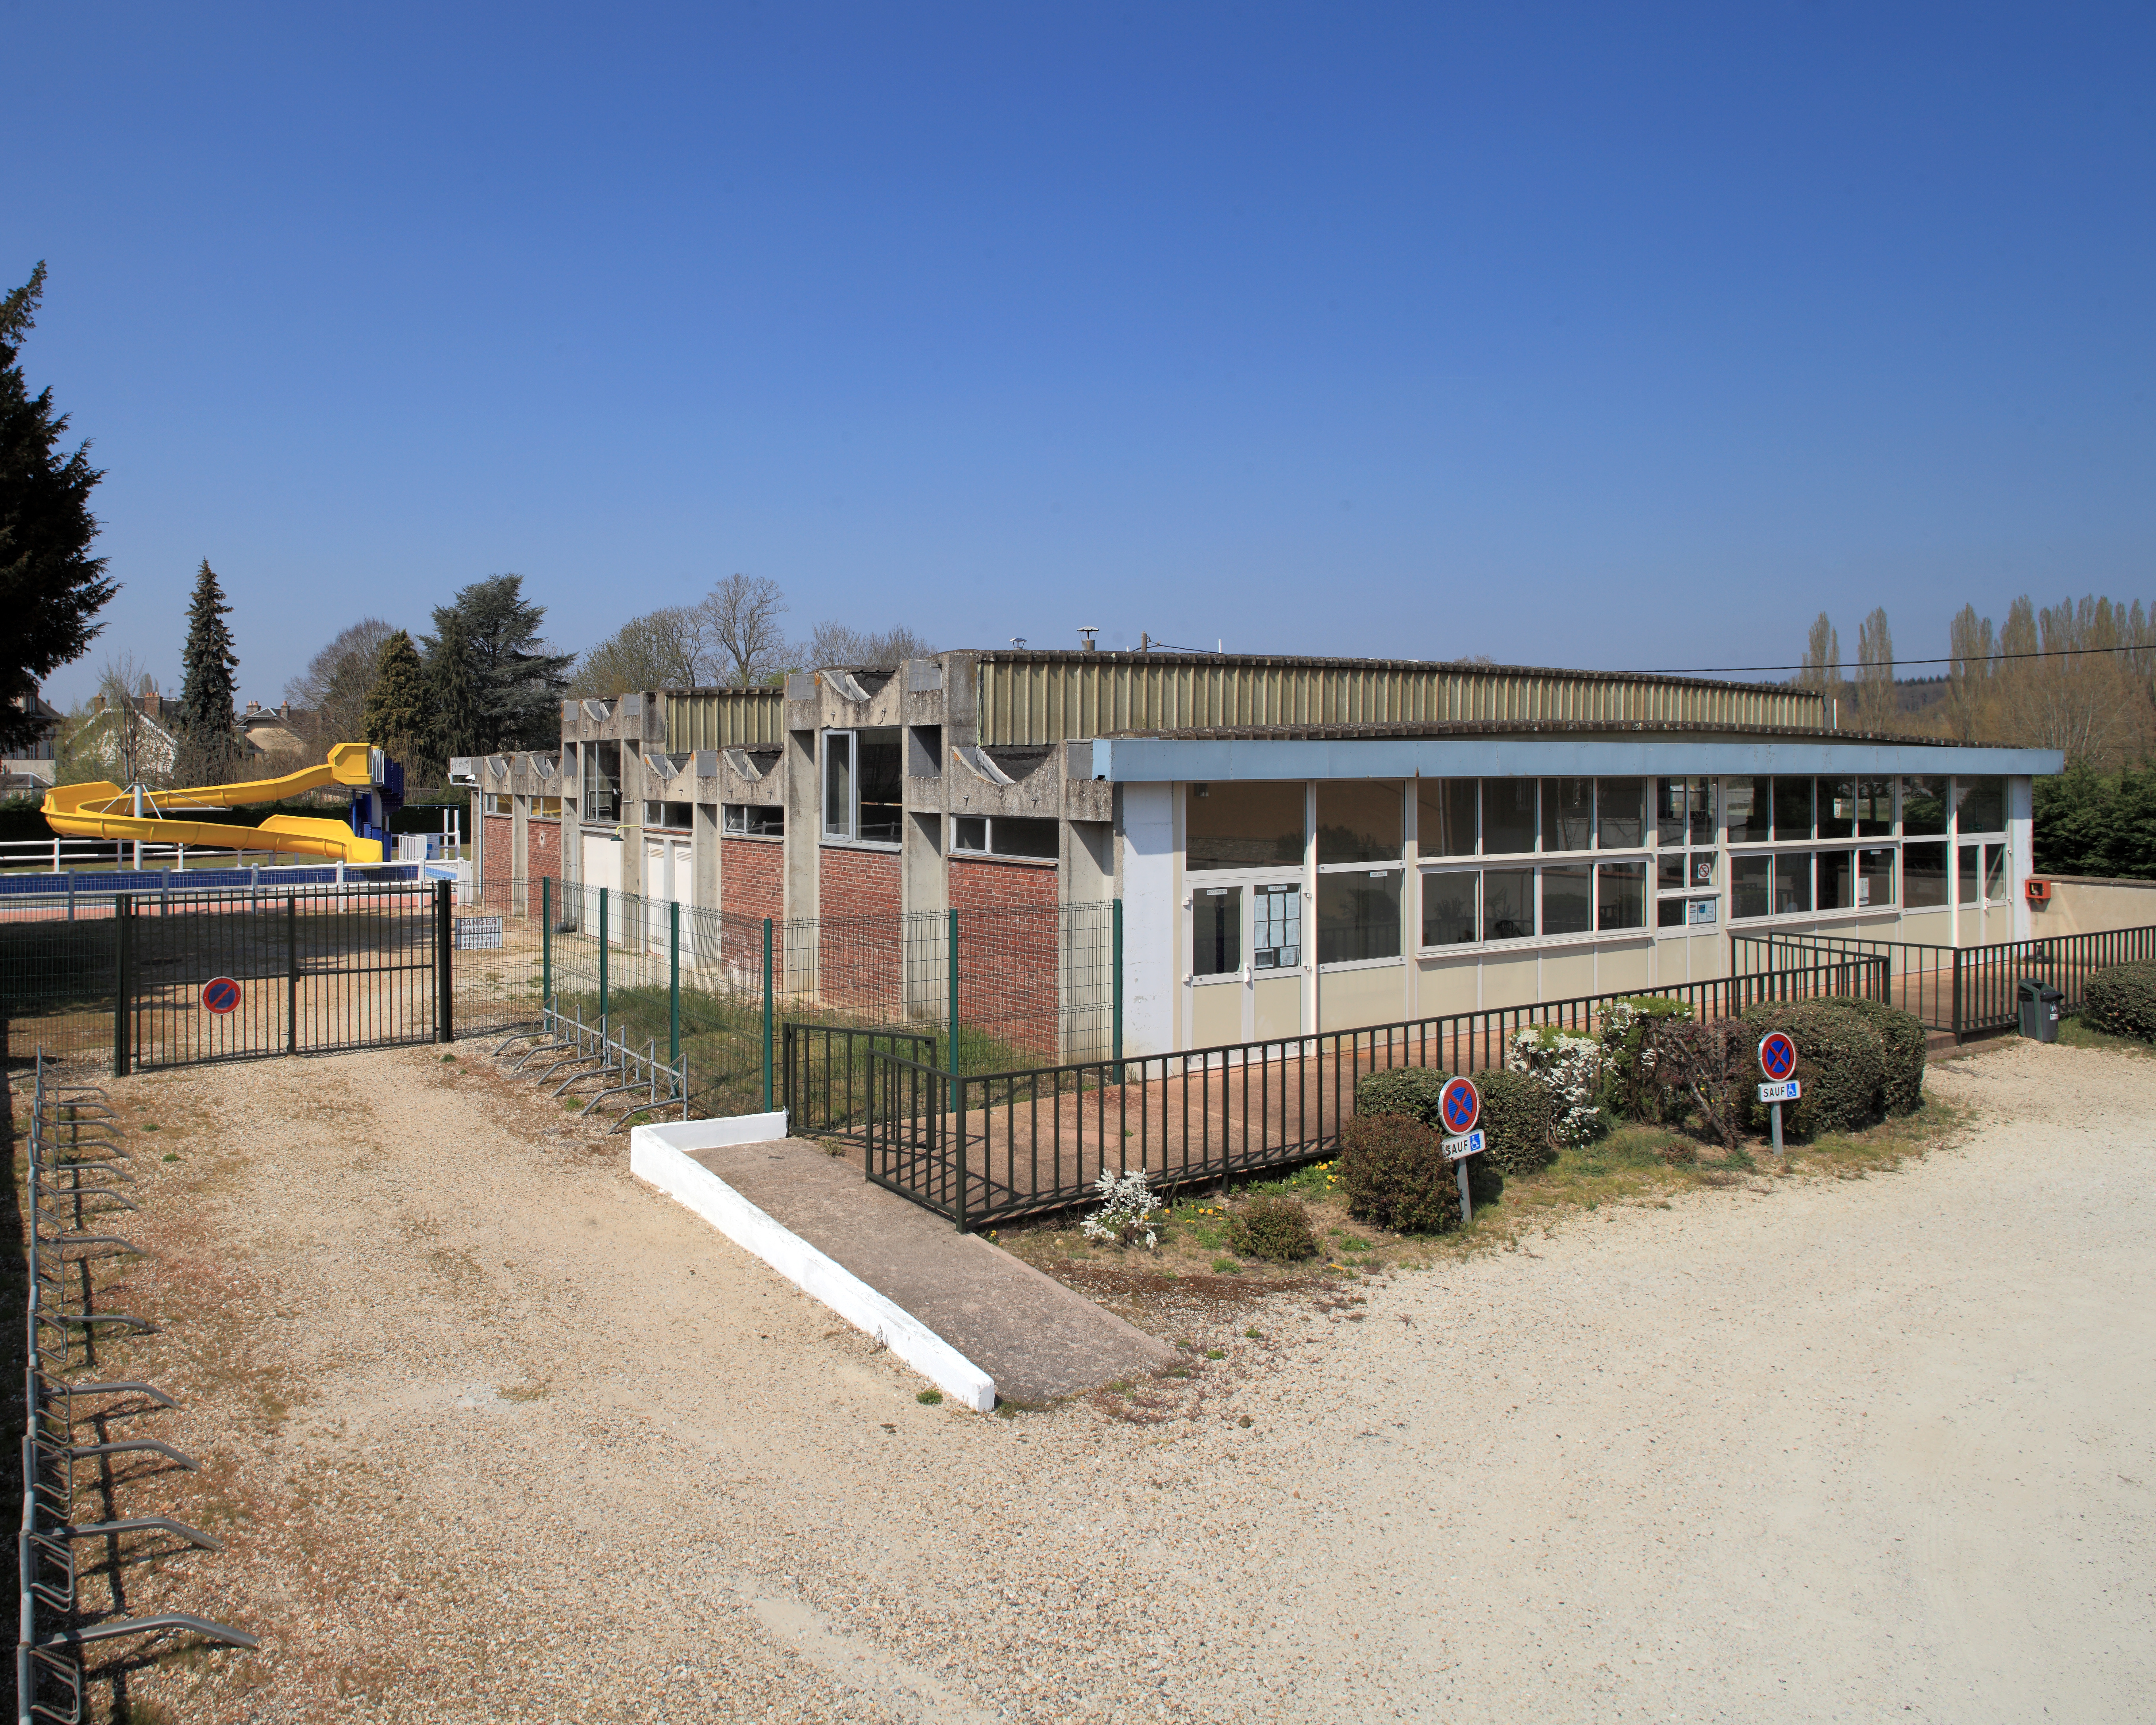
2039 1002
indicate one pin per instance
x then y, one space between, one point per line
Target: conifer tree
207 744
395 714
455 688
51 588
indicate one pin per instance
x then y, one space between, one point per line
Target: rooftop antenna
1089 634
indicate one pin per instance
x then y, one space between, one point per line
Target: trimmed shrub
2121 1000
1517 1111
1629 1028
1395 1175
1903 1034
1412 1090
1568 1066
1277 1229
1841 1064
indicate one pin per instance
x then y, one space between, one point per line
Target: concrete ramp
950 1299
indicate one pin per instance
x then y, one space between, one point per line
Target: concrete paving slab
1038 1339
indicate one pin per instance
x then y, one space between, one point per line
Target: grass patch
930 1398
2077 1032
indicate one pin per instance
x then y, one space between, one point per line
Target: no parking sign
1778 1060
220 994
1459 1106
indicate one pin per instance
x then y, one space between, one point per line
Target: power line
1721 671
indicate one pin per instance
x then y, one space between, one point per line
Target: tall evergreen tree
51 588
500 669
395 717
207 663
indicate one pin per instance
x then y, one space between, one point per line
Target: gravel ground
495 1433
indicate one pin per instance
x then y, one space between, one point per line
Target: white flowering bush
1634 1086
1569 1068
1126 1204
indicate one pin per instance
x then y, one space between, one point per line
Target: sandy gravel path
497 1433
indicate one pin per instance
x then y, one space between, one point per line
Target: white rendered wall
1150 992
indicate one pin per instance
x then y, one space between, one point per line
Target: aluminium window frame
850 838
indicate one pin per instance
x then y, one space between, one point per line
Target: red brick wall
542 860
751 886
1009 953
496 867
858 968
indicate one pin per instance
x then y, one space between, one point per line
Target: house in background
33 768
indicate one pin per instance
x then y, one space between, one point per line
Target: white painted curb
660 1154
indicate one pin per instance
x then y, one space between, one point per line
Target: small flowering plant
1569 1068
1126 1212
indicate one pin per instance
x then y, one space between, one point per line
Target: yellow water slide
104 810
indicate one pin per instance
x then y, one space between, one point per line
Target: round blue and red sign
1778 1055
220 994
1457 1104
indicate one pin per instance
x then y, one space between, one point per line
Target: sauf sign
1778 1062
1459 1106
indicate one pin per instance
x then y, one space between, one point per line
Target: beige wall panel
1348 999
1216 1013
1276 1006
2092 907
1932 927
1569 974
1510 979
1626 967
1448 985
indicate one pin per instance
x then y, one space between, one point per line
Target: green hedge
2122 1001
1907 1042
1275 1229
1841 1067
1394 1174
1629 1087
1516 1117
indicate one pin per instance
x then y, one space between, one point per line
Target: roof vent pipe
1089 634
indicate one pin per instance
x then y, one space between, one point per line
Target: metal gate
234 975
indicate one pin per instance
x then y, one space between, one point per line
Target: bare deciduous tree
834 643
1877 706
746 638
331 692
661 649
1822 659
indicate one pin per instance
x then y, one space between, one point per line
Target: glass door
1246 962
1275 988
1218 971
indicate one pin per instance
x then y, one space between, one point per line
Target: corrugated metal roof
723 718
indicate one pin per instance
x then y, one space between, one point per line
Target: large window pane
1994 872
1837 880
1216 931
878 767
1276 928
1749 893
1670 818
1360 820
1793 883
1248 826
1620 895
1450 912
839 783
1837 813
1971 864
1445 816
1567 898
1508 904
1874 878
1875 807
1670 913
1701 798
1923 876
1568 814
1923 807
1508 816
602 781
1745 802
1620 814
1979 805
1793 809
1671 870
1358 917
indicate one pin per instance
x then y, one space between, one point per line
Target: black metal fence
1966 990
980 1147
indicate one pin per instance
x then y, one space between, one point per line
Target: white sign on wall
1699 912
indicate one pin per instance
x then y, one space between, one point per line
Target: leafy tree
207 748
497 685
395 714
51 588
2099 824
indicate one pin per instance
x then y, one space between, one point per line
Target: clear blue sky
1607 336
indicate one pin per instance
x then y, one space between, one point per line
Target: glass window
1972 865
839 783
1793 809
1669 800
1924 874
877 764
969 832
1216 931
1875 807
1924 808
1994 872
1702 800
1745 802
602 781
1359 916
1979 805
1450 912
1022 835
1568 814
1249 825
1620 895
1875 878
1837 880
497 804
1793 883
1837 813
549 807
1670 913
1567 898
752 820
1445 816
1620 813
1359 820
1748 886
1508 816
1508 904
1276 928
1670 868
